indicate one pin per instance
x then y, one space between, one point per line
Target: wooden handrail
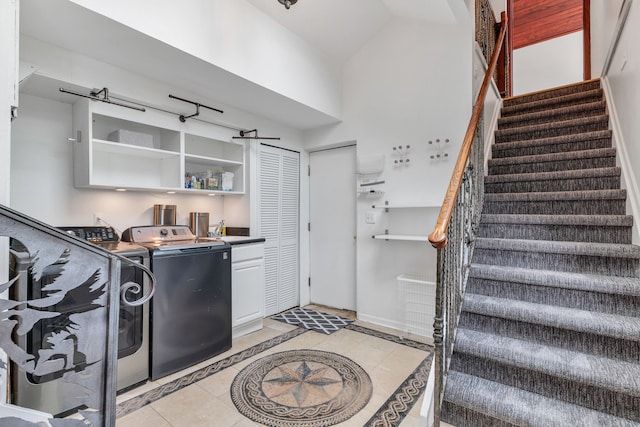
438 237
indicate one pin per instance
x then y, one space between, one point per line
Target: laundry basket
419 297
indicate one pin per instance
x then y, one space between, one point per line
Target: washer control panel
93 234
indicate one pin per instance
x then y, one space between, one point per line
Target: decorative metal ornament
287 3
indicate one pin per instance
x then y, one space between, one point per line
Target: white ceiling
337 27
341 27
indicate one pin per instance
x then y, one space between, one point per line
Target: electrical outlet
370 217
97 216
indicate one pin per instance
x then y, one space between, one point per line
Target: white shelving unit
159 161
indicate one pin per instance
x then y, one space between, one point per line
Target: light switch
371 217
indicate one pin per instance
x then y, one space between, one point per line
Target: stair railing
455 232
67 289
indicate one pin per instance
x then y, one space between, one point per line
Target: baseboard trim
630 182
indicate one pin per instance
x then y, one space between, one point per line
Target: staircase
549 333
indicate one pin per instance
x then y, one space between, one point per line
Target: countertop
242 240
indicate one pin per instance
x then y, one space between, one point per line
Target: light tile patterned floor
208 402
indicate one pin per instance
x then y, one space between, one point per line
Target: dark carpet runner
549 334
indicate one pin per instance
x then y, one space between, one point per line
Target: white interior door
332 199
278 212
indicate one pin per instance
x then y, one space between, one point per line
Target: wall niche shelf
403 237
150 151
386 206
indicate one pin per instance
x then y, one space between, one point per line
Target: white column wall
8 88
604 15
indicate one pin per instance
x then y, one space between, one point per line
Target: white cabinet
151 150
247 284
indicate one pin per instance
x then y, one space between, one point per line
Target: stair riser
551 117
565 233
627 351
622 305
607 401
575 184
562 165
549 95
624 267
560 207
532 150
552 103
462 417
551 132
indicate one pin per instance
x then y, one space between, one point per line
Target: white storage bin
132 138
419 297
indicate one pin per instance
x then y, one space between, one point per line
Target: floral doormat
301 388
314 320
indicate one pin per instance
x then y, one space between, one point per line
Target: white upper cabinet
118 147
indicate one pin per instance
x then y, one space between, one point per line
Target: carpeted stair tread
553 291
584 202
553 129
555 102
556 196
614 375
591 322
577 220
554 157
522 408
554 176
548 115
629 286
552 93
556 247
562 143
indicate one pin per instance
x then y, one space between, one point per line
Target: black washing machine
191 307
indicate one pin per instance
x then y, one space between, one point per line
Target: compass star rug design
301 388
314 320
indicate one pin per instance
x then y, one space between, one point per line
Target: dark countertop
241 240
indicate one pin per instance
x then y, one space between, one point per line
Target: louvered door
278 206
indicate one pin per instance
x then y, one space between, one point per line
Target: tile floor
208 402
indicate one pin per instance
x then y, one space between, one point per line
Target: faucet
219 230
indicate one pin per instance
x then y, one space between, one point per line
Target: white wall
623 82
41 159
604 15
548 64
236 37
8 81
399 89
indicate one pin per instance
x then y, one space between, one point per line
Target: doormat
297 388
314 320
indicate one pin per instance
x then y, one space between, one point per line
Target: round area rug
307 388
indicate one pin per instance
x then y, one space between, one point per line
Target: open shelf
405 237
151 150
